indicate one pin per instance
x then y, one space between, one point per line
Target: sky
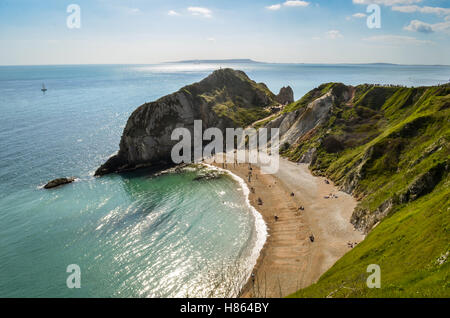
36 32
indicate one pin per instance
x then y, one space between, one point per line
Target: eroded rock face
353 177
295 125
146 140
424 183
365 220
58 182
308 156
285 96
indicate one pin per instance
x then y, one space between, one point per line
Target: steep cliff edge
225 99
373 141
389 146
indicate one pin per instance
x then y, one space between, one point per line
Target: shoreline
261 227
289 260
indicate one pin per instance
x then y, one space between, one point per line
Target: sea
134 234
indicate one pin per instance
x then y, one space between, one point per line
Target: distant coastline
227 61
236 61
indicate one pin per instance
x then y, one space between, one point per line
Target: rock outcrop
58 182
309 156
225 99
285 96
424 183
365 220
209 176
297 124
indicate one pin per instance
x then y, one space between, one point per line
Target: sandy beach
308 232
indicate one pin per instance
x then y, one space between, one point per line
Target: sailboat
43 89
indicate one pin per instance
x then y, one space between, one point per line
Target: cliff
389 147
225 99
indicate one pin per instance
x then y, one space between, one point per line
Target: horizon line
230 61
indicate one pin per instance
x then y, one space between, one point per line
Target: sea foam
260 225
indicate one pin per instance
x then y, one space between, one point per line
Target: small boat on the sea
43 89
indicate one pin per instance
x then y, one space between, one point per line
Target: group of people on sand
301 208
351 244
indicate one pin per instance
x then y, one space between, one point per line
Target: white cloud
426 9
296 3
359 15
386 2
406 9
211 39
134 11
334 34
397 40
204 12
420 26
289 3
173 13
274 7
441 27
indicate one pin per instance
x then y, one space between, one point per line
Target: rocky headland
225 99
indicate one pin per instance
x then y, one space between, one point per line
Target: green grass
232 95
242 117
406 246
391 136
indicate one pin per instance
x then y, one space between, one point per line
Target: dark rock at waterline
208 176
58 182
113 164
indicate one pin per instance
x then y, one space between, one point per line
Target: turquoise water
132 235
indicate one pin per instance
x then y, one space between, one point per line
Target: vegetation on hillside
232 95
389 146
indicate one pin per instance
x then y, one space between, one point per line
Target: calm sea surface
132 235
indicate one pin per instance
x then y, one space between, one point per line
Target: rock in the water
286 95
208 176
57 182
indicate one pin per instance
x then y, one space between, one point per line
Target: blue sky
152 31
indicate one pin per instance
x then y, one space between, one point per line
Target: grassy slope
402 133
231 94
406 245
